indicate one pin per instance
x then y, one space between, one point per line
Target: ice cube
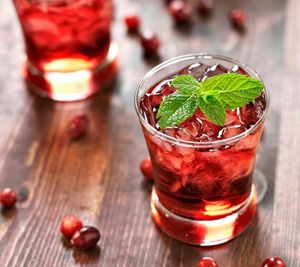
155 99
210 129
203 184
232 116
230 131
169 161
183 134
161 144
238 69
192 126
237 164
167 89
248 142
173 162
216 70
248 114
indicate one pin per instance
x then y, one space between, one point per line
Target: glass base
261 185
200 232
77 83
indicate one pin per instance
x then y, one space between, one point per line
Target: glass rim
198 144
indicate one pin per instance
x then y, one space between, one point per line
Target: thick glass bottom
203 232
77 82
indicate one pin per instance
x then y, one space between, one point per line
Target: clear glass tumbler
68 45
203 192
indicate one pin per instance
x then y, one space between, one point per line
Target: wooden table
98 177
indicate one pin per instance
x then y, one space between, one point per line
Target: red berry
132 22
180 11
273 262
86 238
205 7
150 43
8 198
238 18
207 262
78 126
69 225
147 168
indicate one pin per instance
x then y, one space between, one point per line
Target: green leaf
213 109
232 89
186 84
175 109
213 96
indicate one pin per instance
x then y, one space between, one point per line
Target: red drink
67 45
203 172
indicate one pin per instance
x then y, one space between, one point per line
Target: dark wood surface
98 177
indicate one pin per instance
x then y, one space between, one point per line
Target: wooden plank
286 227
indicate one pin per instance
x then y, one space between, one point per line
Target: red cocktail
69 52
203 191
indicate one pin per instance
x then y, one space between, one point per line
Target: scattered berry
205 7
86 238
273 262
238 18
8 198
180 11
207 262
150 43
147 168
132 22
69 225
78 126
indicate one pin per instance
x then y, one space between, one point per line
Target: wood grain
98 177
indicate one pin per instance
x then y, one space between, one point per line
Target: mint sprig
213 96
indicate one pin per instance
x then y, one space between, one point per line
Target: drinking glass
68 45
203 192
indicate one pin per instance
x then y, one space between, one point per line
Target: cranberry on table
205 7
150 43
207 262
147 168
273 262
238 18
180 11
78 126
86 238
8 198
132 22
69 225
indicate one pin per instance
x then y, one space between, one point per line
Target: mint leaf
186 84
175 109
232 89
213 96
213 110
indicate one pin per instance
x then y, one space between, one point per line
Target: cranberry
132 22
273 262
180 11
147 168
207 262
238 18
69 225
206 7
8 198
86 238
150 43
78 126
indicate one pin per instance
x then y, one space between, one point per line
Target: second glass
68 45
